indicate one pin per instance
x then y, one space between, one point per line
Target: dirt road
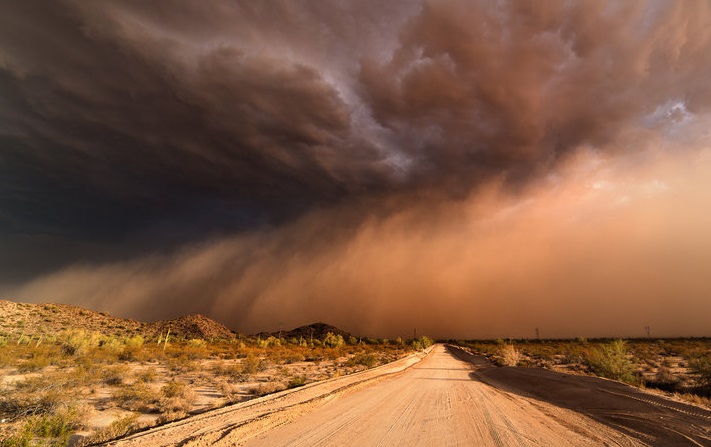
446 401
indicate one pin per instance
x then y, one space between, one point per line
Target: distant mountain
317 330
44 319
192 326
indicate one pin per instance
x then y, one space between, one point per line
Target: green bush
53 429
367 360
612 360
333 341
702 367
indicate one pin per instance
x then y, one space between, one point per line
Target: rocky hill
192 326
41 319
317 330
44 319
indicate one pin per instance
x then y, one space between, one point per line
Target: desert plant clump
367 360
612 361
146 376
423 342
266 388
118 428
253 364
176 401
333 341
664 380
296 382
114 375
510 355
701 366
39 395
51 429
116 364
136 397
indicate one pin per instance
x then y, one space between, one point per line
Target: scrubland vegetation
97 387
677 366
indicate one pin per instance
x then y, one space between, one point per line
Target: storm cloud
351 161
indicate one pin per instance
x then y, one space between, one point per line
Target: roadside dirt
234 424
648 417
448 398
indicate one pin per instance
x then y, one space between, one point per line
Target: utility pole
538 334
414 336
647 330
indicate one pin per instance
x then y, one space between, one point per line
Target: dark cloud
151 122
132 128
477 88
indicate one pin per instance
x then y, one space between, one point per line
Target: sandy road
234 424
448 398
436 403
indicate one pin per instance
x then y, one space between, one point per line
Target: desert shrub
110 345
176 401
253 364
136 397
426 341
293 357
52 429
76 342
132 349
22 438
333 341
612 361
195 349
83 374
134 342
36 396
510 355
266 388
118 428
423 342
233 371
269 341
6 357
367 360
664 380
702 367
129 354
147 375
37 361
181 364
114 375
296 382
230 392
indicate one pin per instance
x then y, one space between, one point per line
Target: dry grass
510 356
676 366
131 375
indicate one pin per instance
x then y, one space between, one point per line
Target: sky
469 168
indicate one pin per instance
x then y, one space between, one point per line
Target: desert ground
70 376
443 398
